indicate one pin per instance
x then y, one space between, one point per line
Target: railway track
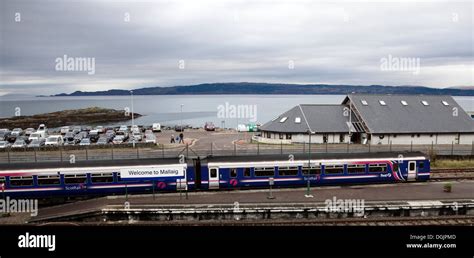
452 173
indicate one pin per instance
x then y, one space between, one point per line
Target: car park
54 140
36 143
4 144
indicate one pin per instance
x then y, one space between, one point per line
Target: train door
213 178
412 173
197 175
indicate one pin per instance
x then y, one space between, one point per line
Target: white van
156 127
54 140
65 129
42 130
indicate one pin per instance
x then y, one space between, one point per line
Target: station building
374 119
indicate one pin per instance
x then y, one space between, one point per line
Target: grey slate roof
413 118
320 118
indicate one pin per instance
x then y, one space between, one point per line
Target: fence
160 152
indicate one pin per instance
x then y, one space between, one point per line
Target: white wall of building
422 139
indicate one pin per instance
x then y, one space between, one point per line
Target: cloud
328 42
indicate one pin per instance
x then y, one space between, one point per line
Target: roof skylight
445 103
298 120
364 102
382 103
404 103
283 119
425 103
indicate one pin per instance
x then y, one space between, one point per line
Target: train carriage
211 173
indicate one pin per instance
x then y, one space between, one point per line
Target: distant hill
272 88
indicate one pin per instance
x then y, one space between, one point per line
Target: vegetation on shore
85 116
451 163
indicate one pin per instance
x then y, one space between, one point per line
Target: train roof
316 156
89 163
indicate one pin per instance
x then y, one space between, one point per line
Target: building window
418 135
314 170
233 172
353 169
269 171
49 180
288 136
281 136
246 172
333 169
380 168
412 136
288 171
394 136
21 180
102 178
341 137
381 136
325 138
268 135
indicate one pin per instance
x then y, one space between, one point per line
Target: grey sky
335 42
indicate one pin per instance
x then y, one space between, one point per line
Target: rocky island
85 116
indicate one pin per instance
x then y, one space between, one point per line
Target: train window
314 170
412 166
75 179
352 169
49 180
378 168
102 178
269 171
213 172
233 172
21 180
333 169
2 179
288 171
246 172
421 165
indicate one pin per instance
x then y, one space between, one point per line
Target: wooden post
452 148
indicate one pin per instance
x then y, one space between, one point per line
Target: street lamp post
308 186
133 121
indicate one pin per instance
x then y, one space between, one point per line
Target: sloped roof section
319 118
411 113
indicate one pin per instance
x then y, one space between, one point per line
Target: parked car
4 144
17 131
88 128
150 138
19 143
69 138
35 136
12 138
209 126
94 135
65 129
100 129
104 140
76 129
179 128
137 136
118 139
148 132
36 143
85 142
4 133
54 140
123 130
135 128
110 133
78 137
156 127
29 131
